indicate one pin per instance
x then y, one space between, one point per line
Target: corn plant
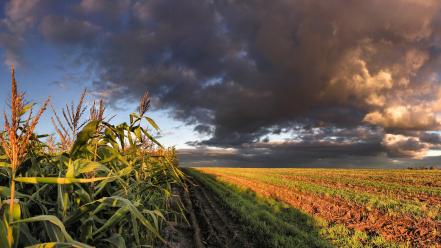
68 127
18 133
103 188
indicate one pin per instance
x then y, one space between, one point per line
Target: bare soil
399 195
209 223
420 232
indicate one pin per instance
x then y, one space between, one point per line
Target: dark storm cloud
245 67
203 129
402 146
287 154
64 30
19 20
18 17
333 74
432 138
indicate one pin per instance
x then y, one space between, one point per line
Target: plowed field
358 207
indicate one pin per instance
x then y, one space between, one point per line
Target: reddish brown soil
421 197
401 228
427 182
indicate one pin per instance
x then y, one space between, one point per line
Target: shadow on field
263 222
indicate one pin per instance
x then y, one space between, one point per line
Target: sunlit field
333 207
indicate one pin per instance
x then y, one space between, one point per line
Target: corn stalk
105 187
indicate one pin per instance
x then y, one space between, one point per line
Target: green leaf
5 192
4 231
82 194
5 165
26 237
117 241
151 137
58 180
87 166
53 245
56 222
117 201
118 215
133 118
79 213
152 122
26 108
137 132
83 137
136 230
70 169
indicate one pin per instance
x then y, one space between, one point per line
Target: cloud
402 146
276 62
106 7
17 26
431 138
64 30
19 16
286 154
404 117
12 48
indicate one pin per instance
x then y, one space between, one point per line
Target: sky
283 83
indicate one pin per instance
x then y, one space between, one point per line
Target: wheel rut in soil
218 227
210 224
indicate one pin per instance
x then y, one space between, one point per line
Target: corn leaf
5 165
26 108
152 122
4 231
56 222
118 215
151 137
86 166
84 135
58 180
117 201
116 241
5 192
54 245
133 118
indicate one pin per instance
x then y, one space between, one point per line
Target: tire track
219 229
207 223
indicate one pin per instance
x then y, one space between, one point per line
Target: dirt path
209 223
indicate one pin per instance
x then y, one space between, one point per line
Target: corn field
97 184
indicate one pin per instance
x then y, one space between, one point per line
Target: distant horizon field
400 207
418 167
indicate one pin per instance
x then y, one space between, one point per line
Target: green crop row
408 177
393 190
386 186
383 203
385 175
